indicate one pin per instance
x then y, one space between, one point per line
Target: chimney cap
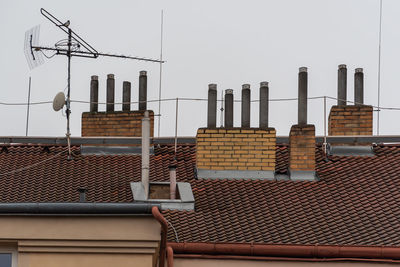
342 66
359 70
263 84
110 76
94 77
246 86
229 91
212 86
303 69
143 73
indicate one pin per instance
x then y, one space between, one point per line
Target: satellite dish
59 101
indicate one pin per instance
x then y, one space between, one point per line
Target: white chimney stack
146 153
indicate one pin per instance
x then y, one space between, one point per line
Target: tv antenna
73 46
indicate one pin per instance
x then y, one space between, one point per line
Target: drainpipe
146 152
320 252
170 256
172 181
164 229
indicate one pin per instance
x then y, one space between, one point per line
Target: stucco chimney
172 181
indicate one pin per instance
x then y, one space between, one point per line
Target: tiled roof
355 202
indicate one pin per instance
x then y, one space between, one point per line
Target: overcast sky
224 42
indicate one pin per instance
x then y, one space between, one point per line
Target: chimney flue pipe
302 105
146 153
94 93
228 108
172 181
246 105
264 92
342 85
359 87
110 92
126 96
143 90
212 106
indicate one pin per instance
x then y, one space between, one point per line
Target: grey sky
224 42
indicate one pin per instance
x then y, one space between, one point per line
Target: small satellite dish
59 101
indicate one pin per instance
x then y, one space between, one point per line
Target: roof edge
321 252
42 208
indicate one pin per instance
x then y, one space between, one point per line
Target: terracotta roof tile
355 202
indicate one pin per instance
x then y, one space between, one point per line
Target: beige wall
180 262
78 241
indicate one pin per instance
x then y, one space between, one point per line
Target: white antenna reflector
33 56
59 101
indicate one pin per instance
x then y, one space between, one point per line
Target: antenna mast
75 46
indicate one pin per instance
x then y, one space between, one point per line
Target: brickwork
236 149
117 123
350 120
302 148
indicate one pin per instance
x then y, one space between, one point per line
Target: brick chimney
351 120
302 138
236 152
124 123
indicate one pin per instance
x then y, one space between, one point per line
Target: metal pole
68 111
324 125
94 93
110 93
126 96
159 86
379 67
143 90
27 111
176 125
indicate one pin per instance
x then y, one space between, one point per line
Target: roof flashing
113 150
184 190
361 151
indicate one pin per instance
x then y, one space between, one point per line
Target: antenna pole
68 111
27 111
379 66
159 89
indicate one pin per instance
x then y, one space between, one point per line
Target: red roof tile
355 202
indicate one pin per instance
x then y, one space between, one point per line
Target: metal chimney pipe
359 87
246 105
302 105
212 106
342 85
82 194
94 93
110 92
264 92
146 153
143 90
228 108
172 181
126 96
